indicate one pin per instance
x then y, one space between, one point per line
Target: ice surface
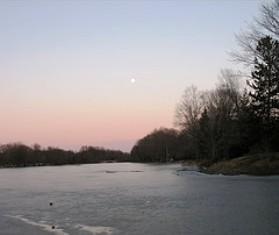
138 199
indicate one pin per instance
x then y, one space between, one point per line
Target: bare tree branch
265 24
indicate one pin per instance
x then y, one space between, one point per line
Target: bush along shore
257 164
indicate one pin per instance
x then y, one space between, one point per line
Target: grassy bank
256 164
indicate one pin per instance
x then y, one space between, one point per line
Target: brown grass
257 164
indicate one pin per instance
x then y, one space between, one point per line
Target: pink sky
65 69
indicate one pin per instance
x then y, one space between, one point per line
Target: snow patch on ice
96 230
45 227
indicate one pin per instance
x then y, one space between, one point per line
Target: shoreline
264 164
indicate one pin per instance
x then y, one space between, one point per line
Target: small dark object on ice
51 203
53 227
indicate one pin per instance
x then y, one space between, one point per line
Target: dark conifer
265 81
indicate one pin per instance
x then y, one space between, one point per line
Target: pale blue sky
65 66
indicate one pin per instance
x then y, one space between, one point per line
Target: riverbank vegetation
255 164
19 155
233 119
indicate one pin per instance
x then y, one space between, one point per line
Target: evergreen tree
265 81
265 89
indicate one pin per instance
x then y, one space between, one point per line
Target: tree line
234 118
19 155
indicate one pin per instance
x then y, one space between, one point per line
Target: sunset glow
97 73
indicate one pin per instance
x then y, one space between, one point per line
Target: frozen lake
135 199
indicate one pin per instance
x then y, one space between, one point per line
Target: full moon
133 80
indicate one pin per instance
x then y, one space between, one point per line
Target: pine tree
265 90
265 81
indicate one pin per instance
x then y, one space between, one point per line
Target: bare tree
189 108
267 23
222 106
230 87
269 20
